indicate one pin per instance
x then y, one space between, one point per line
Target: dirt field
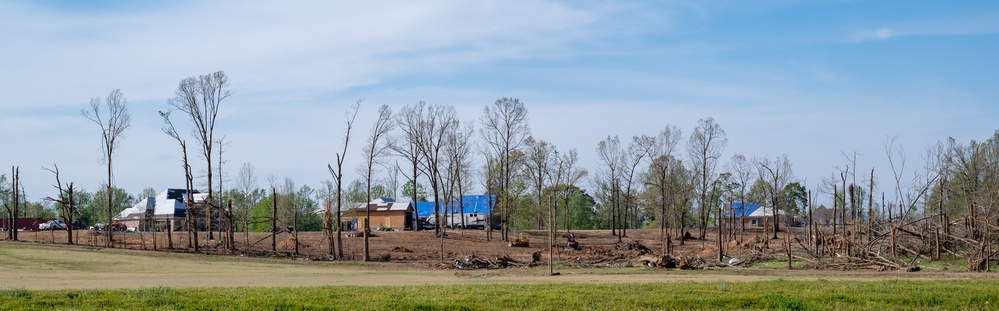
411 258
599 248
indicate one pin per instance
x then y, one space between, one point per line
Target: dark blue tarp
470 204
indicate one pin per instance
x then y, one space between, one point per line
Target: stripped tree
704 148
338 174
113 119
660 150
378 143
65 202
609 152
199 98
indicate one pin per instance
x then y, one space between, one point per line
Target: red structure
23 224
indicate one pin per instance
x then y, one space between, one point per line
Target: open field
33 266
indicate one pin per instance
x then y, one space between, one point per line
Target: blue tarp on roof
742 210
469 204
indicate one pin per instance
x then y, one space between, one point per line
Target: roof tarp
742 210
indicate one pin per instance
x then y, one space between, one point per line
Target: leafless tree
428 128
113 119
660 150
378 143
200 98
170 130
490 182
609 153
458 151
338 174
436 123
538 170
249 196
13 201
408 148
632 158
225 213
743 172
505 129
568 174
65 201
777 173
704 148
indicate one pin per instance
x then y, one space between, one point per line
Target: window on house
754 222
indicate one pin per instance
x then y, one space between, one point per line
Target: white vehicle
52 225
471 220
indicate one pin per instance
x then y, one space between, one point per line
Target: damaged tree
338 176
113 120
378 143
65 202
199 98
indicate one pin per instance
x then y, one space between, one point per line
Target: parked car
78 226
115 226
52 225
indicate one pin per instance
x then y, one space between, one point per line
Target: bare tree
704 148
660 150
777 173
65 201
743 173
458 151
430 126
13 200
609 152
170 130
378 142
632 158
5 201
408 119
537 168
505 129
113 119
338 174
568 174
199 98
249 196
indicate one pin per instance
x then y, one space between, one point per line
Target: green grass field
779 295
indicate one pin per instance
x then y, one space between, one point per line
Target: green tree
421 191
39 210
260 216
581 206
795 198
95 209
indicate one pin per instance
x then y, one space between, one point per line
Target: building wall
390 219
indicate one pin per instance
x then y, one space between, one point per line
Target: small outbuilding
385 213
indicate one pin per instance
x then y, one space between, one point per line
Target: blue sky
810 79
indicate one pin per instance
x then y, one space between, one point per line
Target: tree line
678 184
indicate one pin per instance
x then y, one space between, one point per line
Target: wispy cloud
976 24
311 45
